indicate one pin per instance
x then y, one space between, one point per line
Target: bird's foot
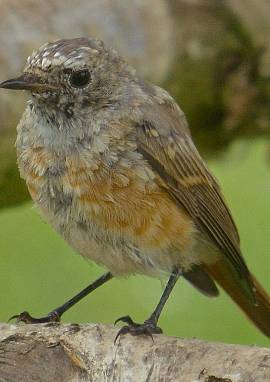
148 328
28 319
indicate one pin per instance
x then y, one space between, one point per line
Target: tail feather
258 308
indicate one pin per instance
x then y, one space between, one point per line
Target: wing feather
164 140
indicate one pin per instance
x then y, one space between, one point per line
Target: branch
72 352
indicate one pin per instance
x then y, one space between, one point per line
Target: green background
39 271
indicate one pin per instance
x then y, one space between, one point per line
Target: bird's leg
149 326
55 315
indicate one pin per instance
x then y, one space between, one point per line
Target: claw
12 318
23 317
124 330
127 319
28 319
148 328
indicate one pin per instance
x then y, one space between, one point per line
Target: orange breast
129 201
125 199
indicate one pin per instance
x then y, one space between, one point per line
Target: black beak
27 82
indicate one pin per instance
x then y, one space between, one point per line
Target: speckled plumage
85 174
78 152
109 160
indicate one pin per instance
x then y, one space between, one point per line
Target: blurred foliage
223 94
39 270
13 189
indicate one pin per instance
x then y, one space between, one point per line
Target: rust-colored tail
259 312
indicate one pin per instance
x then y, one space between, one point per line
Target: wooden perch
71 352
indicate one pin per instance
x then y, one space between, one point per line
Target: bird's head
73 74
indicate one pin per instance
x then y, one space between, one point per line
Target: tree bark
87 352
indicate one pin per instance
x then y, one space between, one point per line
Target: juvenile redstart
109 160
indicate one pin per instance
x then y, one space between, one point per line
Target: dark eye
80 78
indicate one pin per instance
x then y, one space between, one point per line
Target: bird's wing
164 140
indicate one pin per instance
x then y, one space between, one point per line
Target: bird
109 160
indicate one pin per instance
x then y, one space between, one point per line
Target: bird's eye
80 79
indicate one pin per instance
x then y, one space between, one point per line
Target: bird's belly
148 240
123 220
114 251
120 254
